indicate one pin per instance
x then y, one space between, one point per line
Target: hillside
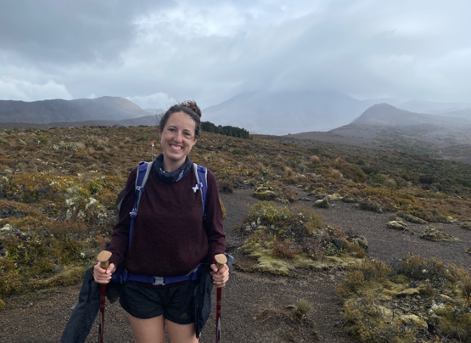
150 120
463 113
58 110
388 127
299 218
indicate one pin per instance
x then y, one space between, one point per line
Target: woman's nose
178 136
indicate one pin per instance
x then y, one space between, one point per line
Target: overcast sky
156 52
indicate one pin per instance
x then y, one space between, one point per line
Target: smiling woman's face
177 138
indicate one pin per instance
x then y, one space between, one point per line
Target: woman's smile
176 147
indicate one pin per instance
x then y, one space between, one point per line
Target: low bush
434 298
283 240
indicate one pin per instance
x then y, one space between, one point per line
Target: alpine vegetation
58 190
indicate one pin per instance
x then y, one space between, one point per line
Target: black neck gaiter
171 177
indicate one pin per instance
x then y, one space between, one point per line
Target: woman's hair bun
191 104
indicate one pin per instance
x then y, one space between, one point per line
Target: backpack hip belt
161 280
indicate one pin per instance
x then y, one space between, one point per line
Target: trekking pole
152 151
221 260
104 259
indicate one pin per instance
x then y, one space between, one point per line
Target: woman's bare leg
178 333
150 330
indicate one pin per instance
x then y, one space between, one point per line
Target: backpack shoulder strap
143 171
201 174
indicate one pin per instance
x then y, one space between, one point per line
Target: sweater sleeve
213 220
120 238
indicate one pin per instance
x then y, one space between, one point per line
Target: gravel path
42 317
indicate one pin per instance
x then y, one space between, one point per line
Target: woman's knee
149 330
184 333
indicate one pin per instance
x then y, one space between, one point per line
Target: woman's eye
187 134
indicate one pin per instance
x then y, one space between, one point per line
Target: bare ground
41 317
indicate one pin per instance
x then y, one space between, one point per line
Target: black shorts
175 303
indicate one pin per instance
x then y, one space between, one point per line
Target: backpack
143 171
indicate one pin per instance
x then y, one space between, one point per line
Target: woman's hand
101 275
221 276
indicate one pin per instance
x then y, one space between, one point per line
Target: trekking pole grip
104 259
221 260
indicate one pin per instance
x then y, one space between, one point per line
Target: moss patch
411 300
282 240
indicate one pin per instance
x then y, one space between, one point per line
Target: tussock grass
411 300
303 308
288 172
299 319
334 173
66 181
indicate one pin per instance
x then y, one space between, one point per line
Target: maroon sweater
170 237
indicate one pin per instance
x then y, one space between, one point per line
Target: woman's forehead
182 120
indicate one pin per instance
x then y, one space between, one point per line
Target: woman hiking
170 237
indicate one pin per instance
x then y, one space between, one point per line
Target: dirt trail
42 317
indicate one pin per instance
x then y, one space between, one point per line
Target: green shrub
377 180
269 214
429 179
418 267
303 308
294 161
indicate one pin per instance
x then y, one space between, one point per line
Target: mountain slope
463 113
282 113
58 110
389 115
388 127
383 121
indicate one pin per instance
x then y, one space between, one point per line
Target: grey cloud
335 53
362 48
77 31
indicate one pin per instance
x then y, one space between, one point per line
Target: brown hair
188 107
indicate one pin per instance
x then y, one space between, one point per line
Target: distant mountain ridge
79 110
151 120
279 113
443 109
385 126
382 120
263 111
430 107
